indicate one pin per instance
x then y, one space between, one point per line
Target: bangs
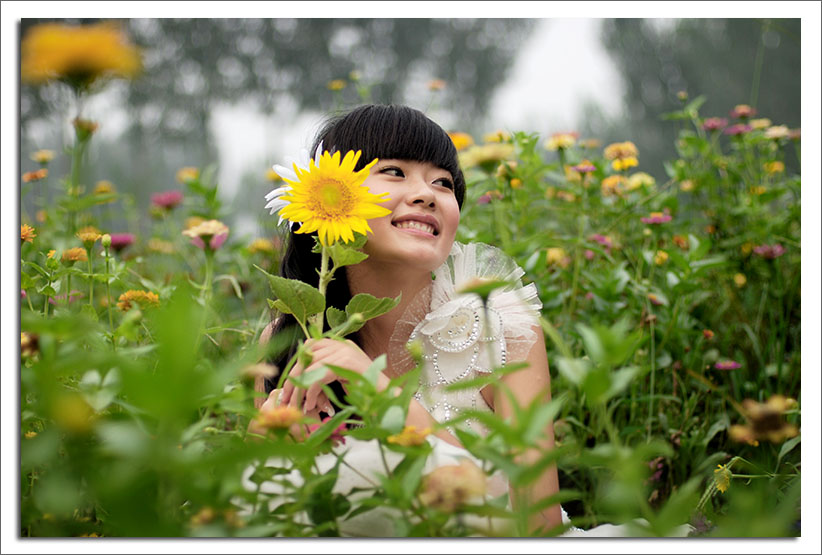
393 131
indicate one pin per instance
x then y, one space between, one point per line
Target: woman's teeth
416 225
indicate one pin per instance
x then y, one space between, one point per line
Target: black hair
379 131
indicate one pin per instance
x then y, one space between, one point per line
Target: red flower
119 241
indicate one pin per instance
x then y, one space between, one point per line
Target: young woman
418 168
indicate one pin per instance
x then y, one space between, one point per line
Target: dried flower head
451 486
722 477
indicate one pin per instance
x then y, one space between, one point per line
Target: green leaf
374 369
369 307
787 447
345 254
393 420
26 282
296 297
335 317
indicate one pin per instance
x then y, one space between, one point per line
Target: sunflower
329 198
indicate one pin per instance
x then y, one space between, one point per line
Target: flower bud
106 240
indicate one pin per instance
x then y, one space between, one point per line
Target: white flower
273 198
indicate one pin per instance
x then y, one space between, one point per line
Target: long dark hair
379 131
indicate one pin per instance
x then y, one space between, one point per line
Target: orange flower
142 298
88 235
336 85
613 185
621 164
708 334
35 175
409 436
774 167
436 85
461 140
682 242
660 258
42 156
279 417
27 233
103 187
74 254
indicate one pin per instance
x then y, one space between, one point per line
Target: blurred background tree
729 61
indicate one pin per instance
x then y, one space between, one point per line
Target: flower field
671 308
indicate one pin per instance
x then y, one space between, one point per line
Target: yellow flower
682 242
621 164
27 233
77 54
487 156
279 417
616 151
498 136
42 156
640 179
590 143
740 280
760 123
160 245
613 185
758 190
436 85
572 175
561 141
336 84
30 434
188 173
556 255
660 258
142 298
448 487
261 245
686 185
74 254
103 187
461 140
746 248
516 183
193 221
777 132
330 198
88 235
36 175
409 436
722 477
774 167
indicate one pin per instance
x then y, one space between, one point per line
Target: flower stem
108 296
90 279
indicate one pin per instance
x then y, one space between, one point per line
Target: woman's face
424 214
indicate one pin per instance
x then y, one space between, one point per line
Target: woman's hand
345 354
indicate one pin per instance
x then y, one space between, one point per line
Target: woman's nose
421 194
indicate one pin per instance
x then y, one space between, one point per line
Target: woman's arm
528 385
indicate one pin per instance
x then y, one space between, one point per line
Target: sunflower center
333 198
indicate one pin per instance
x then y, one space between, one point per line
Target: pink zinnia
336 436
712 124
738 129
743 111
584 168
656 218
727 365
167 200
589 254
119 241
769 251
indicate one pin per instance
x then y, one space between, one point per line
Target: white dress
457 346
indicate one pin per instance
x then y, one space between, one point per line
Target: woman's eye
396 172
445 182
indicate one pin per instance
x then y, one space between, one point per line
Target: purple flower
603 240
167 200
488 197
589 254
727 365
584 167
713 124
769 251
22 293
656 218
119 241
738 129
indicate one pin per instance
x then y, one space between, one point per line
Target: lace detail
461 339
